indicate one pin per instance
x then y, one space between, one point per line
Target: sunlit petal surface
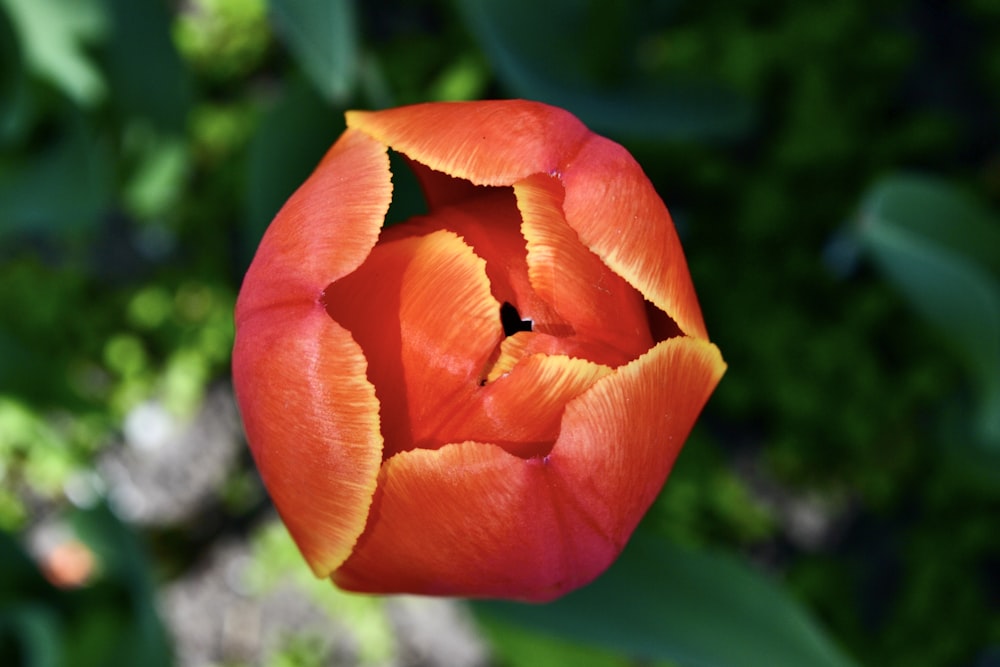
494 143
310 414
536 528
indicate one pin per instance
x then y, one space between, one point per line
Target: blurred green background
834 172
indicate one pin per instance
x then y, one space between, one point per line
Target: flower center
511 320
423 307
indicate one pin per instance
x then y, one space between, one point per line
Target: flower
484 400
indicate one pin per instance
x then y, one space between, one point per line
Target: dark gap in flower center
407 197
661 325
511 320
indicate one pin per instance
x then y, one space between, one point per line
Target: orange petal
451 327
606 312
630 426
471 519
421 309
522 410
310 414
609 200
491 224
312 422
618 215
512 350
366 303
493 142
325 230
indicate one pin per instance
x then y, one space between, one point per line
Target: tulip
482 401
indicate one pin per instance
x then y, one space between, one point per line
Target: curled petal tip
487 143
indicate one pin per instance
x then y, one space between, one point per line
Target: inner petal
489 221
421 309
608 316
522 410
473 333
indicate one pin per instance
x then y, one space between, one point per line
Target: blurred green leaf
322 34
144 69
29 636
932 211
55 35
155 183
13 83
134 633
660 601
941 250
516 646
60 188
293 135
30 625
564 53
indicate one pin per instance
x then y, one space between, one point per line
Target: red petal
325 230
609 200
312 422
607 314
421 309
491 224
310 415
488 143
630 427
618 215
471 519
522 410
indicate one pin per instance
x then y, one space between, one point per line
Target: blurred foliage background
833 169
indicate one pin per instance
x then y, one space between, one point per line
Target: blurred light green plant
941 249
277 562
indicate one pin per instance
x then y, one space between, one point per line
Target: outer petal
488 143
325 230
536 528
310 414
618 215
630 427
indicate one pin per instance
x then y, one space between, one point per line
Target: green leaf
292 137
516 646
119 634
661 601
941 250
144 69
32 632
55 35
15 100
110 622
60 188
540 58
931 211
322 35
